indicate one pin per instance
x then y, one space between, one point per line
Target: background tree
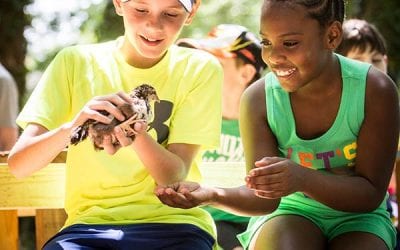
13 44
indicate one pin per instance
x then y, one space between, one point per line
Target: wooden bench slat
47 223
43 189
9 230
60 158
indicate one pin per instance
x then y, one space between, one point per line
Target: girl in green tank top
319 134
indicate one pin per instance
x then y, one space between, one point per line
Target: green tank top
335 148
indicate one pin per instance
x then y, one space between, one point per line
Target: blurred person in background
9 110
362 41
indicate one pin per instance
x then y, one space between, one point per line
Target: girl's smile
292 47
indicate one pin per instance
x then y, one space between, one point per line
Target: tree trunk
13 44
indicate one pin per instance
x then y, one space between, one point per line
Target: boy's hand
119 135
183 194
92 109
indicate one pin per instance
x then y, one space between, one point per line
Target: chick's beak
155 98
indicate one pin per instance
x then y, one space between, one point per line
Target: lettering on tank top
324 158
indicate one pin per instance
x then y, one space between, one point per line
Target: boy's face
151 26
231 71
236 73
370 56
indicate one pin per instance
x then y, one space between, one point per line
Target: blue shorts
139 236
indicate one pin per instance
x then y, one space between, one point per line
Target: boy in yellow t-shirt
109 193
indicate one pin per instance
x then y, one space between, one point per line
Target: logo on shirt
162 113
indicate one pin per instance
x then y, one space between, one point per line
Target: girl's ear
117 6
334 35
192 13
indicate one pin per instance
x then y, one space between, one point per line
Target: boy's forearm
164 166
33 152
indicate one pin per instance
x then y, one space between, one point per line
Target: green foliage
103 23
111 25
245 12
386 16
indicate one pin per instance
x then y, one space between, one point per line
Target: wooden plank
9 230
43 189
26 212
47 190
223 174
60 158
48 222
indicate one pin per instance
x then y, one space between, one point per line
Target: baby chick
138 110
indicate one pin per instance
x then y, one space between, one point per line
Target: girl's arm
376 152
238 200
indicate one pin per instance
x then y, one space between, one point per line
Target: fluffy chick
138 110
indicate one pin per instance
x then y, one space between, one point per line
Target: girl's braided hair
324 11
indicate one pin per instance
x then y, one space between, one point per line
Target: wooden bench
42 195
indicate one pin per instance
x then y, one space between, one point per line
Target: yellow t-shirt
118 189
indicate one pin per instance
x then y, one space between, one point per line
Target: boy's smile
151 27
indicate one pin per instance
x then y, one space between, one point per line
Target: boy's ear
193 12
334 35
117 5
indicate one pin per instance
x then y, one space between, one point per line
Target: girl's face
150 28
370 56
292 44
